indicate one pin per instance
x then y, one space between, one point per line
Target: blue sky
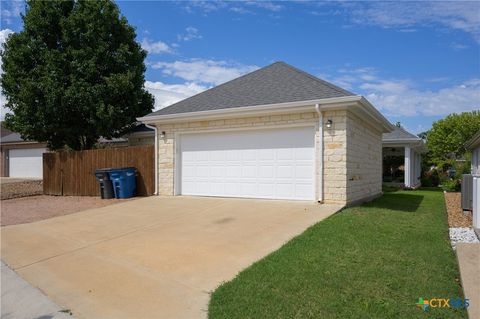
415 61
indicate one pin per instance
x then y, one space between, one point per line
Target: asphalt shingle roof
275 83
12 138
399 133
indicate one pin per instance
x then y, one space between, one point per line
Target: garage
274 133
26 162
264 163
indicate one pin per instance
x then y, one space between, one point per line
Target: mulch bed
456 216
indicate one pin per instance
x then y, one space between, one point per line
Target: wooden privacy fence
72 173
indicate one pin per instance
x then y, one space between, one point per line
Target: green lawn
372 261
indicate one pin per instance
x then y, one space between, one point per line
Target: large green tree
73 74
446 138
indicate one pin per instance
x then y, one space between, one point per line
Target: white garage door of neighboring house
273 163
26 162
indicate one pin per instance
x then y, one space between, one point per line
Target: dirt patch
456 216
16 189
35 208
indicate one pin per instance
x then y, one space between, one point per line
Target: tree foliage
73 74
446 138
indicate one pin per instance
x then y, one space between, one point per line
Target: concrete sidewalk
20 300
469 261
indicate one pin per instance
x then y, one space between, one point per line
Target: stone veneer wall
335 157
364 160
335 150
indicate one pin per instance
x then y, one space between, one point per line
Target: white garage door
277 164
26 162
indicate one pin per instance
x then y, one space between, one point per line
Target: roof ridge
331 85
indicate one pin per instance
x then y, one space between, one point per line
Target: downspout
320 168
156 156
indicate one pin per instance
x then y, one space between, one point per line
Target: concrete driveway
153 257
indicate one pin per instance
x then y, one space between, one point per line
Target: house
141 135
474 146
276 133
402 157
19 157
24 159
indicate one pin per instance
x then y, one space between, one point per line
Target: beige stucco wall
337 148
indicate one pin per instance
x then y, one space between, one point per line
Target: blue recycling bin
124 181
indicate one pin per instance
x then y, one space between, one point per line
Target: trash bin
124 181
106 187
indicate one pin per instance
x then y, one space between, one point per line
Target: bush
430 178
452 185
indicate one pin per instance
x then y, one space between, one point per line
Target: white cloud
167 94
267 5
459 15
234 6
458 46
4 35
204 71
191 33
155 47
402 97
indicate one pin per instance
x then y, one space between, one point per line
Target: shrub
452 185
430 178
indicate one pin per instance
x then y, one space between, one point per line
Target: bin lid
103 170
122 169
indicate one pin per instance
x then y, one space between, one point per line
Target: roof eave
363 105
243 111
474 142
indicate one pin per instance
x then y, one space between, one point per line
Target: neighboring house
21 158
276 133
402 157
141 135
24 159
474 146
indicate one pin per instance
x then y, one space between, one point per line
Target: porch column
418 176
408 167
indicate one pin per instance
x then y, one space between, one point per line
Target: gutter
355 103
248 109
156 156
320 133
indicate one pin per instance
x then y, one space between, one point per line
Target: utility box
467 192
476 202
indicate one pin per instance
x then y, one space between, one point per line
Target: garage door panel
257 163
266 190
26 162
303 171
217 171
303 154
249 171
